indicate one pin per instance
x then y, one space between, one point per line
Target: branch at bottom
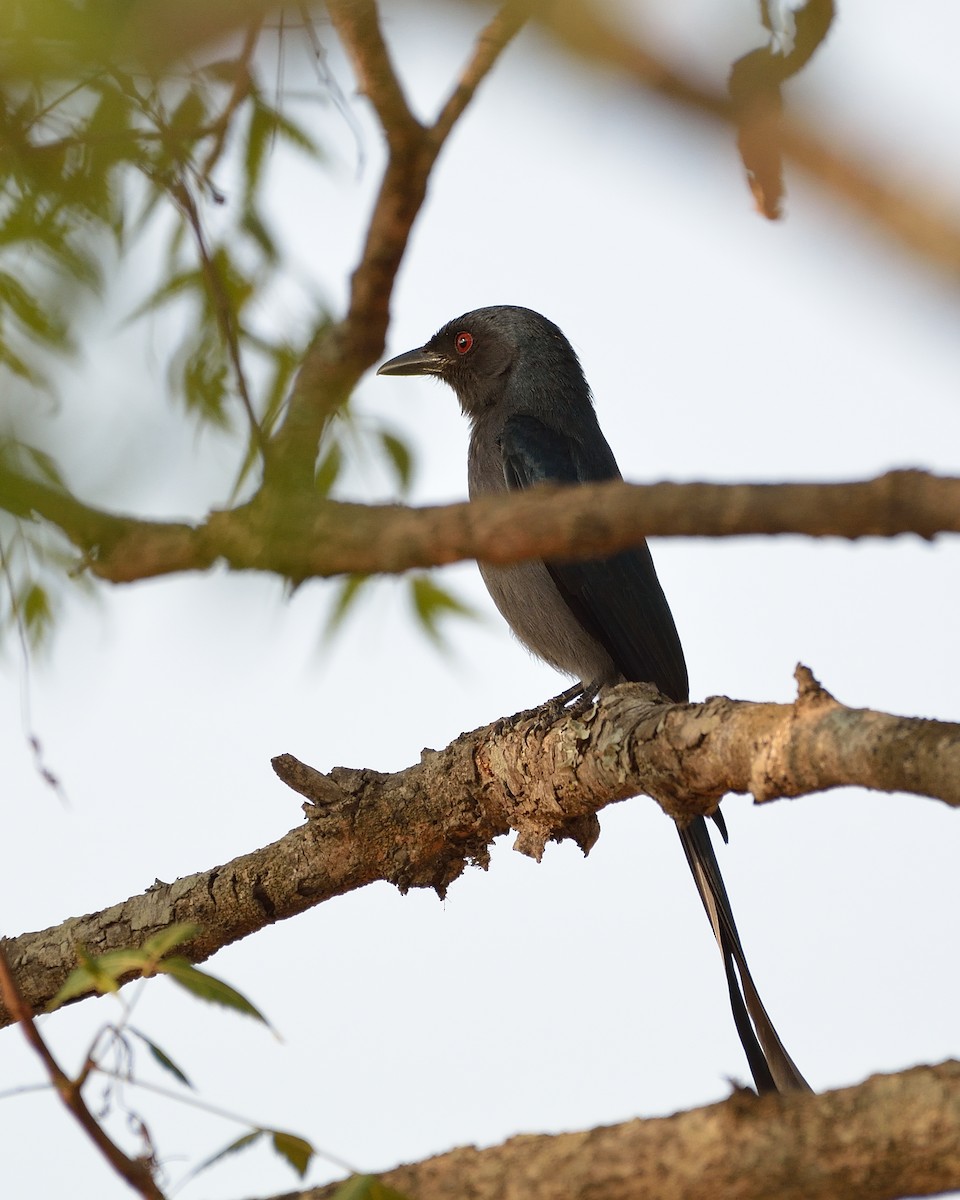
893 1135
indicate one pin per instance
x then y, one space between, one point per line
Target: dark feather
618 599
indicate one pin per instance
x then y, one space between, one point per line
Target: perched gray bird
532 421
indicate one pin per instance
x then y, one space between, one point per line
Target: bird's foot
573 702
577 700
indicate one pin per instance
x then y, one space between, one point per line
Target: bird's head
477 354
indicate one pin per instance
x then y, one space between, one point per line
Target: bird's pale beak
414 362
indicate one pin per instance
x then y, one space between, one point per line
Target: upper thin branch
344 350
303 536
490 44
542 776
912 215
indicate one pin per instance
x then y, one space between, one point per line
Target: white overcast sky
719 346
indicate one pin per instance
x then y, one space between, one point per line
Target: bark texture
300 536
543 774
894 1135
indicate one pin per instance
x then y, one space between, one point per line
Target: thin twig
919 217
358 26
491 43
238 93
136 1172
343 351
222 308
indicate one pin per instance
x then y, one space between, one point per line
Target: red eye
463 341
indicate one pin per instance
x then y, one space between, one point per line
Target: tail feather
772 1067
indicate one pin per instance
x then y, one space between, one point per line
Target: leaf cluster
102 151
106 973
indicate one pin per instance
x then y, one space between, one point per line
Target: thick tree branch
891 1136
303 536
541 775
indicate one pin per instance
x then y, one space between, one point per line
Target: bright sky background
577 992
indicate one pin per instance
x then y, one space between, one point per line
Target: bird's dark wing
618 600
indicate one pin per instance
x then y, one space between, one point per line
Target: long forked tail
772 1067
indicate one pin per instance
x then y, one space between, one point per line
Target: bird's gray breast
525 593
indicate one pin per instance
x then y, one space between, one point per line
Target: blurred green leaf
347 591
224 70
44 465
79 982
200 374
174 935
400 456
44 324
295 134
286 359
37 613
260 129
328 469
432 603
100 974
189 118
20 367
296 1150
240 1143
189 280
207 987
236 285
162 1058
252 224
366 1187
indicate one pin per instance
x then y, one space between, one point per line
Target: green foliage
347 590
33 560
161 1058
432 603
114 1043
329 467
101 148
105 973
208 987
88 132
366 1187
400 458
296 1151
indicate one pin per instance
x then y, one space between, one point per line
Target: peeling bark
543 774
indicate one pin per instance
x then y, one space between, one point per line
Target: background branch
915 217
342 352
